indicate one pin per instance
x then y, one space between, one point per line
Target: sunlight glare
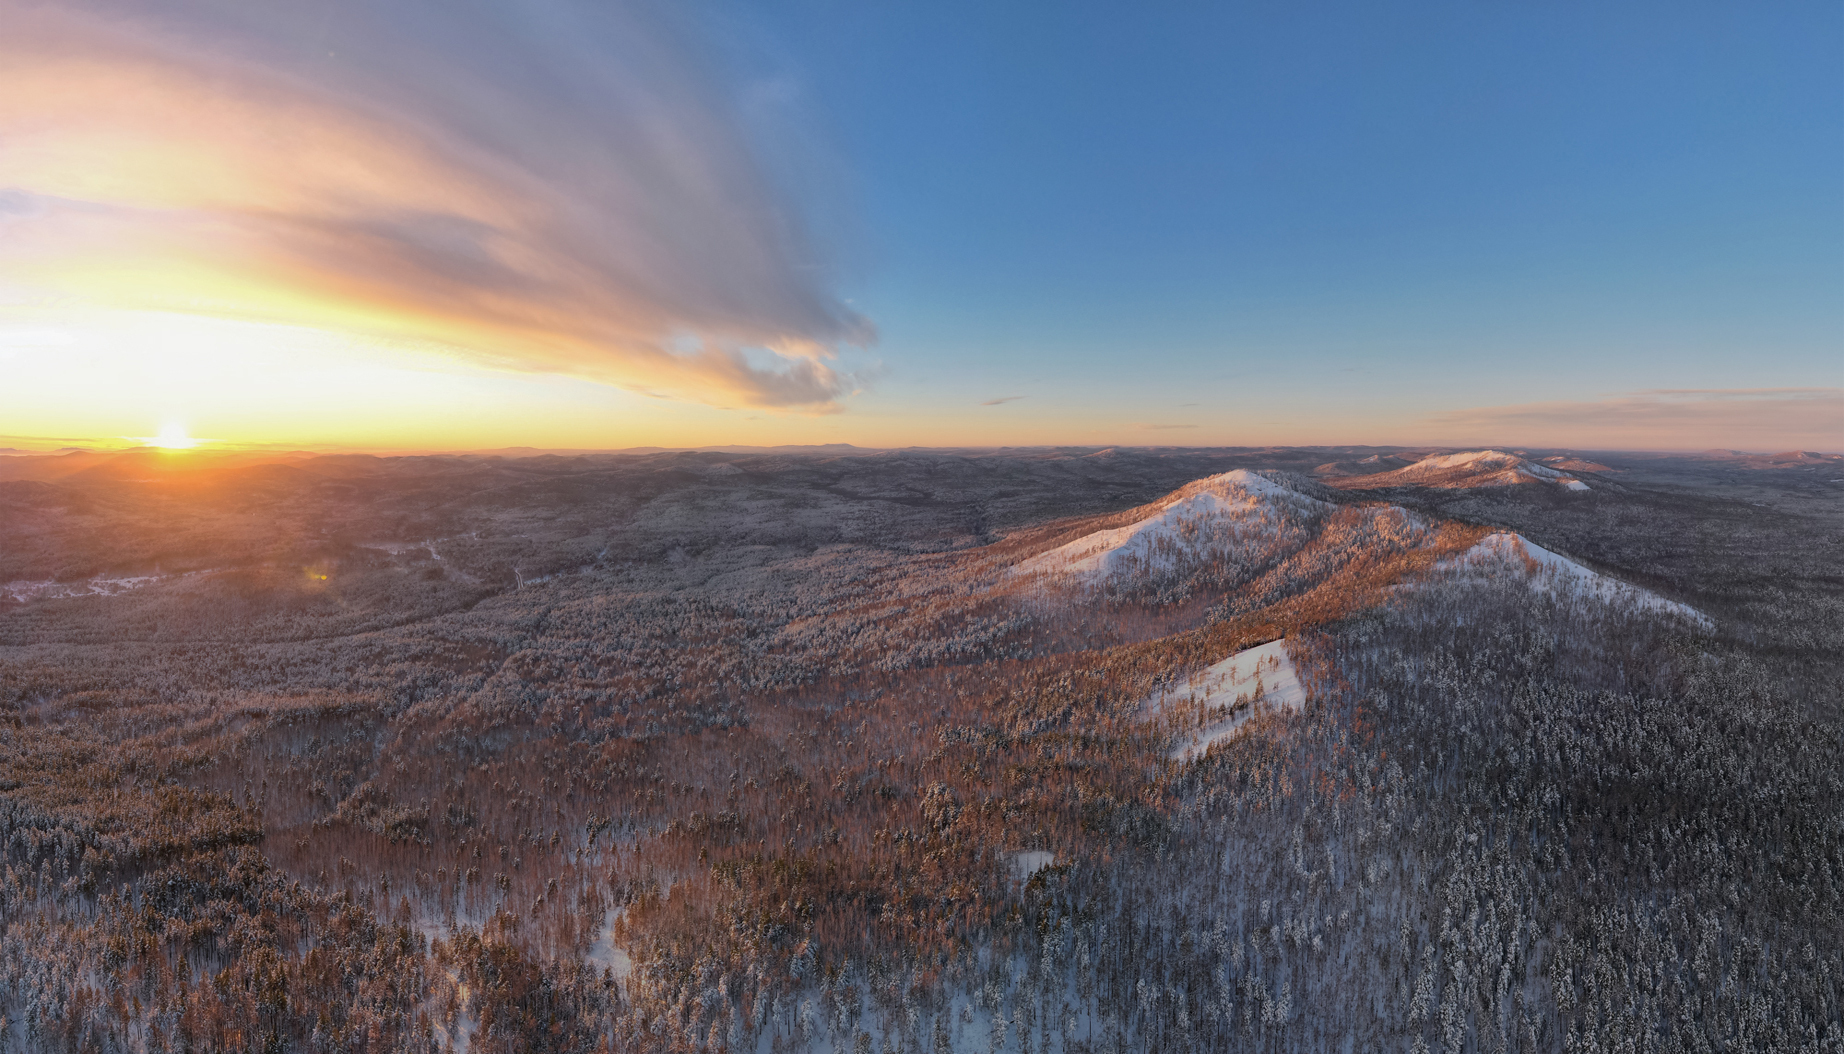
173 437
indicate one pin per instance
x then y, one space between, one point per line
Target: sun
173 437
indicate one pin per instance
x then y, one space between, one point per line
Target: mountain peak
1465 469
1233 518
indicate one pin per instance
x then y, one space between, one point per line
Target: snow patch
605 953
1550 475
98 586
1030 862
1228 694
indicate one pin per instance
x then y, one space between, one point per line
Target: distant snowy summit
1472 468
1369 466
1238 517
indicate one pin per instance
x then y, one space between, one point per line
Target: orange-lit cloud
1674 418
548 186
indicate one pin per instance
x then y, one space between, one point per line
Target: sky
412 224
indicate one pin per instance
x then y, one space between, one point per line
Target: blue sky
1388 209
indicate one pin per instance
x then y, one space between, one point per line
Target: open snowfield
1254 681
1030 862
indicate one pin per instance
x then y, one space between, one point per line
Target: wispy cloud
1662 418
1741 393
554 185
1002 399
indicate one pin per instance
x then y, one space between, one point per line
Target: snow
395 548
1466 458
1507 553
1255 680
606 953
1239 499
1550 475
1493 466
1030 862
98 586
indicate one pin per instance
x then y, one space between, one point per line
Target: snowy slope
1215 518
1226 695
1471 468
1507 554
1369 466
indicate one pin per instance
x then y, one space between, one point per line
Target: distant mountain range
1241 526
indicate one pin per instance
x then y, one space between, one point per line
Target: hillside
1476 468
1241 517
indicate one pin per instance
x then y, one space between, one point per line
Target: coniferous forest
840 750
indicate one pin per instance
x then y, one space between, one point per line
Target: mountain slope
1369 466
1261 537
1473 468
1216 702
1505 554
1238 517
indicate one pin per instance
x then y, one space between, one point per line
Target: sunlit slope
1259 536
1249 537
1214 519
1215 703
1472 468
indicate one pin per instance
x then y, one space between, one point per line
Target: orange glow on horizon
89 376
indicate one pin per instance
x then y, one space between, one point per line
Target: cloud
1661 419
1741 393
557 185
1163 428
1002 399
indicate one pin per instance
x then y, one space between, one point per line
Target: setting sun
173 437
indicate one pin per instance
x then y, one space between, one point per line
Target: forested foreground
1508 828
777 800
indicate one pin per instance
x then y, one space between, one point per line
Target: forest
788 751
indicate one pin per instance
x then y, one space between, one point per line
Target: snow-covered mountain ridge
1234 516
1241 531
1470 468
